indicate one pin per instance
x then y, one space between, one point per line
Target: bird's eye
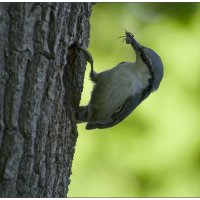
144 58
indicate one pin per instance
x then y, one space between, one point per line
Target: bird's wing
130 104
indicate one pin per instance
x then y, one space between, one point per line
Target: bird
119 90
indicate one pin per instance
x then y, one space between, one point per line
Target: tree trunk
41 78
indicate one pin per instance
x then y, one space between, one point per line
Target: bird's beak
131 40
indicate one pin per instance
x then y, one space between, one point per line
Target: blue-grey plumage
118 91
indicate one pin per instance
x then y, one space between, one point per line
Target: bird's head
149 57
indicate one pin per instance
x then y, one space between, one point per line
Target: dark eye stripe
147 90
144 58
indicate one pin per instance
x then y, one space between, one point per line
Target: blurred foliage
182 13
155 152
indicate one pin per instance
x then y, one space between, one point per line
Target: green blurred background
154 152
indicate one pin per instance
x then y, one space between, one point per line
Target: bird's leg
86 53
89 58
83 113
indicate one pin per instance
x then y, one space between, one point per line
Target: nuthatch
118 91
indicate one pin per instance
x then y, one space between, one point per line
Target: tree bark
41 78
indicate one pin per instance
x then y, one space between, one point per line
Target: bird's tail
82 115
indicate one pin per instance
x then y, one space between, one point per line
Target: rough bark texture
41 80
